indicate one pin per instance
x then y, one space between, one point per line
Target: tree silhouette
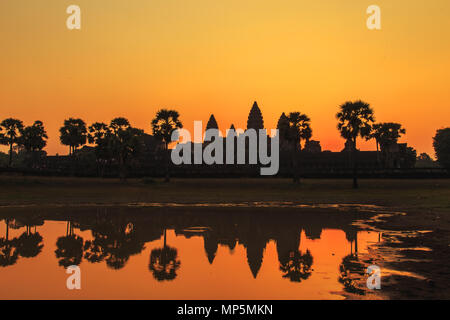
425 161
163 125
114 242
10 132
73 134
69 248
164 263
34 139
8 250
410 158
441 145
100 135
29 244
386 135
349 267
125 142
296 266
355 119
299 129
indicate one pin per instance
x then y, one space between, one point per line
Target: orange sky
133 57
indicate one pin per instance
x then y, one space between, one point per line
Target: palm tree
13 130
164 262
34 139
100 136
163 125
299 129
355 120
73 134
125 142
386 134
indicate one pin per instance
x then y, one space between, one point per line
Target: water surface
180 253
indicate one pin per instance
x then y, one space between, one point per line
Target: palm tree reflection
69 248
350 266
164 262
29 244
296 266
114 242
8 250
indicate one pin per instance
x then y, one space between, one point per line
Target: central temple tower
255 119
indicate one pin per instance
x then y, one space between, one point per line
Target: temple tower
255 119
212 123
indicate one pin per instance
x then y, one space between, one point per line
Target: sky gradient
131 58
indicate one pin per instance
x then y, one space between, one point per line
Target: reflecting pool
139 252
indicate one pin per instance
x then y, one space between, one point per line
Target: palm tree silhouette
164 263
163 125
113 243
29 244
34 139
355 119
299 129
100 135
13 130
350 265
125 142
8 250
69 248
296 266
386 134
73 134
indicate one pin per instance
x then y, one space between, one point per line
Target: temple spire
231 128
212 123
255 119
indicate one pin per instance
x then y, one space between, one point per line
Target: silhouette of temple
313 161
255 118
212 123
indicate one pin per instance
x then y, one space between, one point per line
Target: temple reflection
118 234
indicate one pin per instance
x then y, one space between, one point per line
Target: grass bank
17 190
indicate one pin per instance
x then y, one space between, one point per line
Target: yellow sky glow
200 57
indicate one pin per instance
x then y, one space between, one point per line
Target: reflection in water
297 266
70 248
351 266
27 245
115 241
97 236
163 262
